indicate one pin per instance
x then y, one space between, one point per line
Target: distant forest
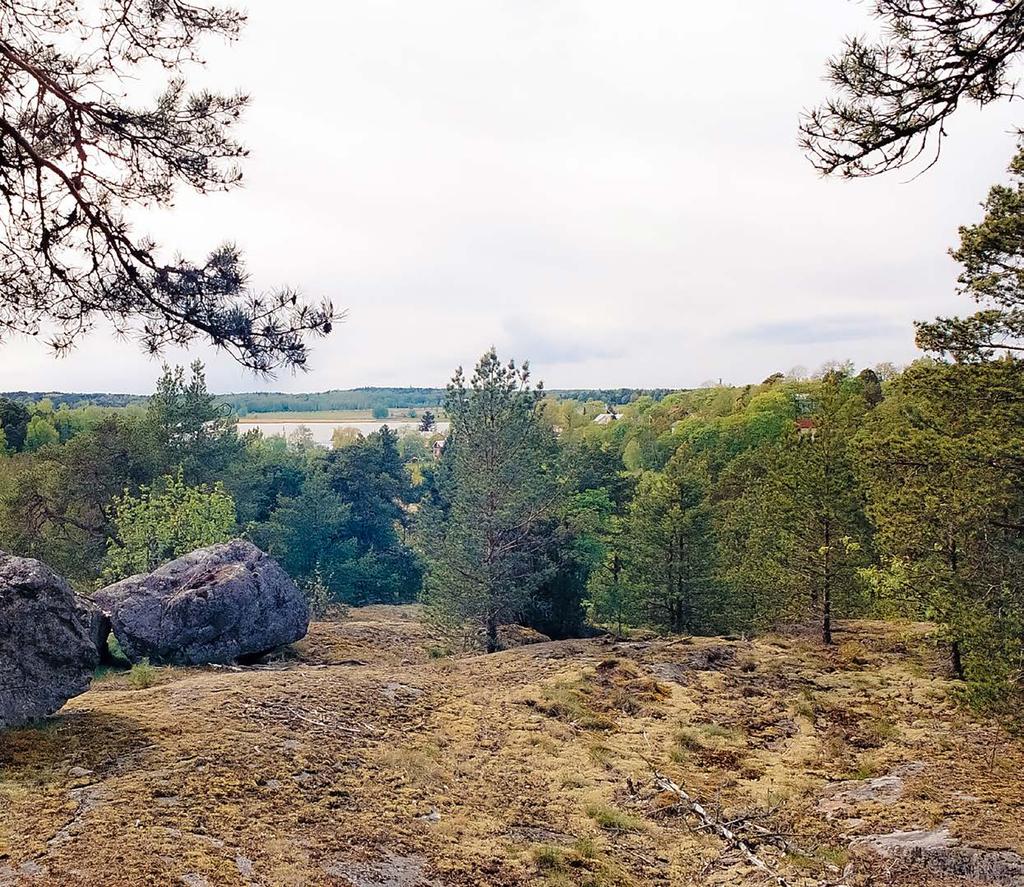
349 399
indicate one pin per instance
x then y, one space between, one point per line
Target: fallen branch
723 831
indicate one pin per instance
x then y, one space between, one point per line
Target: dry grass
526 767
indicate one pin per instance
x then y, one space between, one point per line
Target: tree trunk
826 589
956 661
492 633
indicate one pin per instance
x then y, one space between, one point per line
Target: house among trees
605 418
438 447
807 427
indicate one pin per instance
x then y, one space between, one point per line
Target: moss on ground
362 751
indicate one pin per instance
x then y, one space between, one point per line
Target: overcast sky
612 190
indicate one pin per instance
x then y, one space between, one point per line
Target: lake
322 431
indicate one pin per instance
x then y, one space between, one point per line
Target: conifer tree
485 531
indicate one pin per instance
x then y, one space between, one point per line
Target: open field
366 758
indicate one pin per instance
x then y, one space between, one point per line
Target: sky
612 191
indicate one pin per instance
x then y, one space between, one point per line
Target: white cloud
614 187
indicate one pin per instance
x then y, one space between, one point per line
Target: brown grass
531 766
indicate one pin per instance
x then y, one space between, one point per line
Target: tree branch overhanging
75 157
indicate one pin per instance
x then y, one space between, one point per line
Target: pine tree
484 532
669 550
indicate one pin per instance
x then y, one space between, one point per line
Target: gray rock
938 851
844 797
213 605
47 649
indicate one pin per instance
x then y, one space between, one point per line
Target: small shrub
878 731
143 675
718 731
548 858
853 653
585 848
599 753
566 702
115 651
614 820
317 594
805 706
687 740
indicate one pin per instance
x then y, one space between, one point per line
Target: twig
723 831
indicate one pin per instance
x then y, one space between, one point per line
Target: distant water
322 431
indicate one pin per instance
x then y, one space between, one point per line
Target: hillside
360 760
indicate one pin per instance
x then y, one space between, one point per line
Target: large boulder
48 638
214 605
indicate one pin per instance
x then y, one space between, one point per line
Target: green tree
799 532
413 447
40 433
941 462
56 506
992 256
488 525
371 478
14 419
669 550
575 550
345 436
310 531
266 471
196 433
163 522
610 596
427 421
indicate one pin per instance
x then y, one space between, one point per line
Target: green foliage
380 411
613 819
40 433
345 521
317 594
192 430
796 533
486 529
413 448
344 437
941 463
667 550
142 675
992 255
309 531
115 650
163 522
14 419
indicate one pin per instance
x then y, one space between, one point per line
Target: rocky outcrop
48 641
512 636
936 850
216 604
846 798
